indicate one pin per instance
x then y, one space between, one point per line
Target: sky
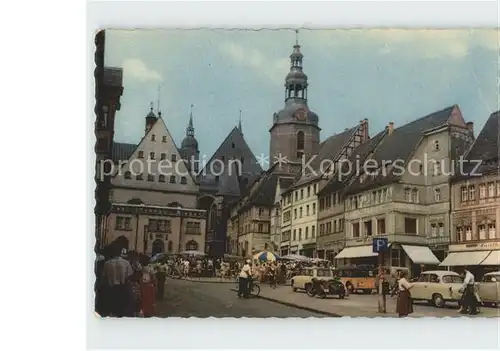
384 75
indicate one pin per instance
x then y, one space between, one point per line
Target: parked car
437 287
489 288
303 280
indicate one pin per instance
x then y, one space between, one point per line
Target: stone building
300 203
331 220
404 195
154 195
475 204
223 181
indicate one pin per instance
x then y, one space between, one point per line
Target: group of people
126 286
468 303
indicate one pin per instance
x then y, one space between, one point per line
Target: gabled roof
485 148
263 192
285 183
330 149
122 151
234 147
361 153
399 146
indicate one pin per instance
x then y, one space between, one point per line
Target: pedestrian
117 272
161 277
148 292
469 304
404 305
244 280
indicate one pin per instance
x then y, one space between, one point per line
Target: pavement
188 299
209 280
359 305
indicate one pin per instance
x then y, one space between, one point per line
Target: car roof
493 273
441 272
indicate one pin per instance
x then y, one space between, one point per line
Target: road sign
380 244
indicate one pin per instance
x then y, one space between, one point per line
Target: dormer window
151 155
153 137
172 179
164 139
183 180
140 154
174 158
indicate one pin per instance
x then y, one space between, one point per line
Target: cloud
412 43
136 69
267 67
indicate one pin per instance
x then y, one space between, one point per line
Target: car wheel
438 301
367 291
350 287
293 289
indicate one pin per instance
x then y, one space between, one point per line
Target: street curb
203 281
289 304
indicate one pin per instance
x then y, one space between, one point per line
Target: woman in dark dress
405 303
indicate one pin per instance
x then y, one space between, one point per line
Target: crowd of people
126 285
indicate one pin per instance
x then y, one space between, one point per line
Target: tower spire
190 127
158 102
239 124
296 80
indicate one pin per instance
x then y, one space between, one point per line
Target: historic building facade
300 200
108 90
404 195
155 195
331 219
475 204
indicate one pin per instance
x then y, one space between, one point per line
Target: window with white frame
468 233
437 195
460 234
414 196
441 229
464 193
482 191
433 229
482 231
491 189
492 230
472 193
407 194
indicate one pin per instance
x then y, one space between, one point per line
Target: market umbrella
193 253
294 257
265 256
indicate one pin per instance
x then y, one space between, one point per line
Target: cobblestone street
192 299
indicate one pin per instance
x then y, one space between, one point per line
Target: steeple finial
296 37
190 128
151 106
158 106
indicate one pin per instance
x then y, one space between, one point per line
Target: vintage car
489 288
437 287
304 278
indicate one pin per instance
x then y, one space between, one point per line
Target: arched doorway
158 247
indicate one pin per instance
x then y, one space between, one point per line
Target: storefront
415 258
284 250
481 258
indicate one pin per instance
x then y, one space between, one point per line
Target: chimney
470 127
390 127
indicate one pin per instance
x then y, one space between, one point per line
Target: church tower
295 132
189 147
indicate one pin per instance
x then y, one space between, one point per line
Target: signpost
380 246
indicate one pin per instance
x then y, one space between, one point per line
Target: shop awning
357 251
466 258
493 259
420 254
